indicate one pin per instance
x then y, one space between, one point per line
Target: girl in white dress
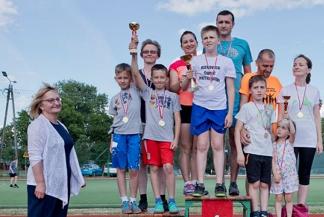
285 178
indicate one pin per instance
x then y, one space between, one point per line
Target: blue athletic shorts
203 119
126 151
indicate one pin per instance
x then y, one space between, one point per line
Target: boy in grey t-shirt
162 129
258 119
125 141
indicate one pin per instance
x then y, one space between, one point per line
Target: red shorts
157 153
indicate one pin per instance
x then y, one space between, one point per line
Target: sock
143 197
132 199
124 198
187 182
163 197
194 182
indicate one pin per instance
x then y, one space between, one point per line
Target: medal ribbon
211 74
300 106
160 105
263 125
228 49
125 106
283 154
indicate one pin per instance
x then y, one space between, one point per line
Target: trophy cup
186 58
286 98
134 26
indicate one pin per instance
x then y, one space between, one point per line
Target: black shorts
12 174
185 114
258 168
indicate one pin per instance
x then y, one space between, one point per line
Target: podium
221 207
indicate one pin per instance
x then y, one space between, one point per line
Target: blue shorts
203 120
126 151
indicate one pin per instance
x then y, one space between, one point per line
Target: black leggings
305 157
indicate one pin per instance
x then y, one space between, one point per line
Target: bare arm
247 68
186 79
230 97
39 179
280 111
240 155
174 81
177 120
135 73
292 132
317 119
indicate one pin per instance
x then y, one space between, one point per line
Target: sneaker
158 208
255 214
233 189
135 208
165 205
263 214
188 189
125 208
199 190
142 205
16 186
220 190
173 209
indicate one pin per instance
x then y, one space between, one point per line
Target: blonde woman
54 172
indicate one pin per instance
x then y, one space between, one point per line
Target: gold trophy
286 98
134 26
186 58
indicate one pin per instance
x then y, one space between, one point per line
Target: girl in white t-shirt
285 178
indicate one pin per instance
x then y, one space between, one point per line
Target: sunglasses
149 52
52 100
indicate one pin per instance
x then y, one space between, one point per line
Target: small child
125 140
257 118
162 129
285 178
212 108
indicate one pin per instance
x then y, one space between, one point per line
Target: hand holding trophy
134 26
286 98
186 58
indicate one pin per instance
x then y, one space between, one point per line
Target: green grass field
103 193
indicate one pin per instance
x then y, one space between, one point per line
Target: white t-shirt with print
211 73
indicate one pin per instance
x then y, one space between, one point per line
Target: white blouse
45 144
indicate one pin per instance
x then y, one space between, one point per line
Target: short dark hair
267 51
123 67
160 67
209 28
309 65
152 42
224 13
256 78
186 33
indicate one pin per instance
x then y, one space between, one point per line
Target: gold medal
211 87
162 123
125 119
300 114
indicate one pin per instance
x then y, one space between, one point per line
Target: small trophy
286 98
186 58
134 26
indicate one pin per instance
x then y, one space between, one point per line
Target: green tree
84 114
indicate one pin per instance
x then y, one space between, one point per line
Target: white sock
194 182
132 199
124 198
187 182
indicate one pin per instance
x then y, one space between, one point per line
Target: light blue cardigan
45 144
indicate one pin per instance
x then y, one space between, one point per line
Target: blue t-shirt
239 51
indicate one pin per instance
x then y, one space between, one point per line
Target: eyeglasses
149 52
52 100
